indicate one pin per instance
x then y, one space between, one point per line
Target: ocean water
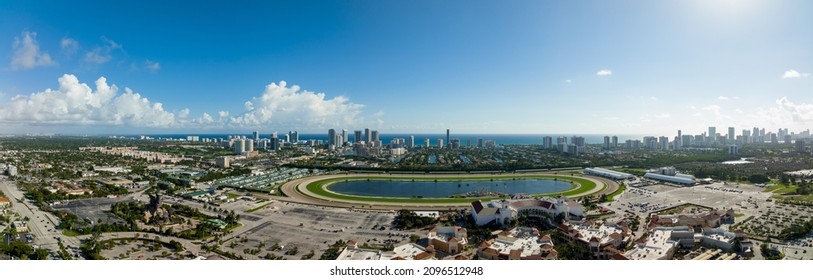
499 139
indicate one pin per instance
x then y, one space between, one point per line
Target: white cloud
27 53
75 103
799 112
183 113
102 54
153 66
69 46
722 98
206 119
790 74
662 116
568 81
284 106
604 72
653 98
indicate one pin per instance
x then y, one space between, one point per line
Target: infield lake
441 189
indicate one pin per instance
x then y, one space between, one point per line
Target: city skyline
501 68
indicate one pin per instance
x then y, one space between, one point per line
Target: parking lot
93 209
744 199
309 227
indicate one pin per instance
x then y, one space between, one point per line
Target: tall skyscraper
345 136
331 138
606 142
731 135
800 146
677 143
615 141
256 135
239 146
426 143
294 136
712 136
357 136
367 137
447 138
374 137
440 143
663 143
411 141
547 142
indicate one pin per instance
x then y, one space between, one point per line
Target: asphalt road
41 224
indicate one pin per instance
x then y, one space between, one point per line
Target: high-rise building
731 135
663 142
774 139
651 142
712 136
454 143
800 146
222 162
256 135
411 142
367 137
447 138
733 149
561 139
547 142
440 143
676 144
249 145
686 140
374 136
615 141
357 136
273 144
239 146
479 142
345 137
294 136
606 142
426 143
331 138
787 139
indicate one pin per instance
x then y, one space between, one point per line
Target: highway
41 224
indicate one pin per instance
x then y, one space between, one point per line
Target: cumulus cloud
281 105
791 74
153 66
69 46
604 72
799 112
102 54
183 113
27 53
75 103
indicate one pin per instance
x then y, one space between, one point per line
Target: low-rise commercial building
521 243
601 172
448 239
600 240
504 211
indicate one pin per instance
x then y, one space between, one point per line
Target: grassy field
316 188
621 188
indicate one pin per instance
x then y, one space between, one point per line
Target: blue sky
622 67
